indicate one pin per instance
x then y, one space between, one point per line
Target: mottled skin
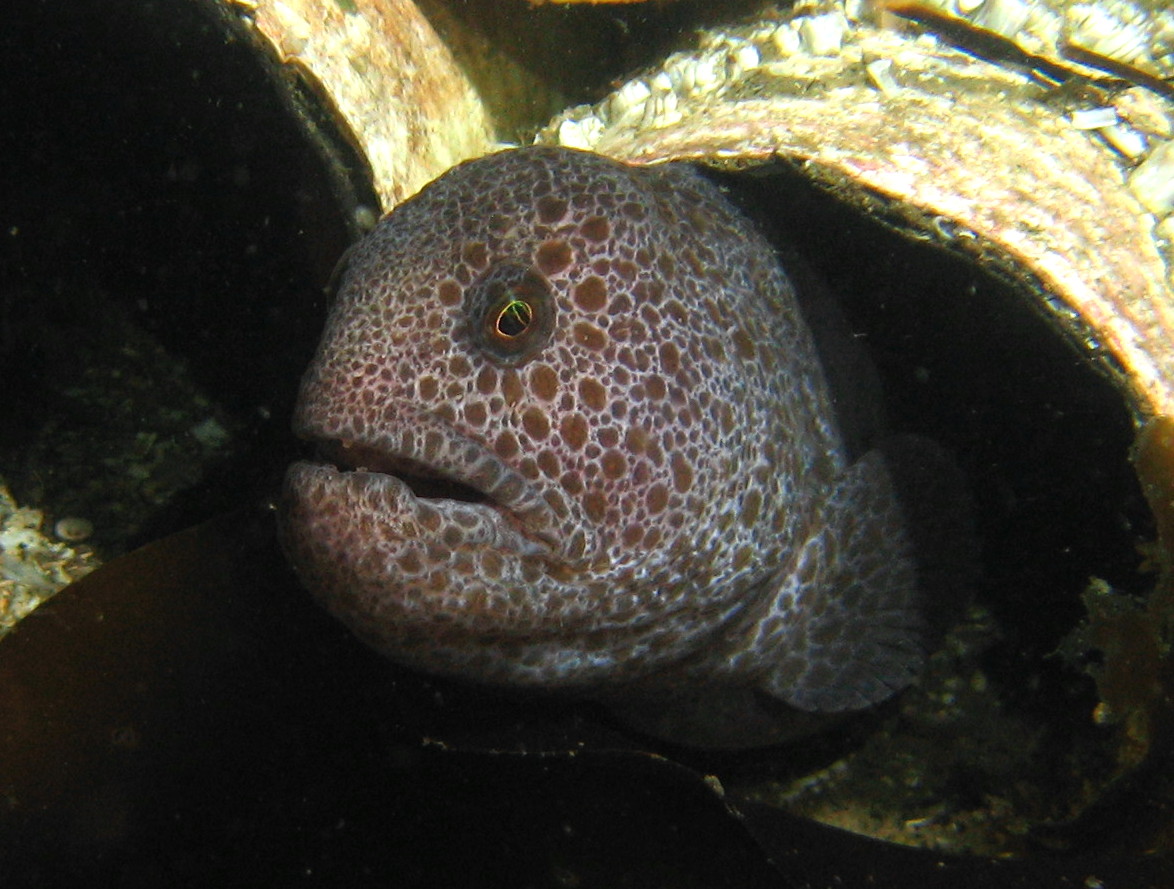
654 501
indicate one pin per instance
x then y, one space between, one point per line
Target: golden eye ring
514 318
510 311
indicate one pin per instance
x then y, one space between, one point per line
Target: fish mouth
438 464
422 480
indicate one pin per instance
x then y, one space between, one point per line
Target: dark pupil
514 318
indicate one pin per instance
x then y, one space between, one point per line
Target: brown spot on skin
409 563
717 313
696 266
428 388
597 229
552 257
449 293
615 465
491 563
714 349
544 382
548 462
509 489
433 444
609 437
591 294
475 413
428 518
657 499
725 418
595 505
590 336
751 505
743 558
628 328
558 503
506 445
573 429
655 387
700 221
632 536
459 366
676 311
475 254
551 209
572 483
636 440
620 305
592 393
486 380
499 223
670 357
743 345
634 210
682 474
511 386
536 423
628 358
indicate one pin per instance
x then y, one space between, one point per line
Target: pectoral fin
889 562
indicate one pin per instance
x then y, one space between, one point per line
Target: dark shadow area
164 217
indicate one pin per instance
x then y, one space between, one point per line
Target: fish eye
511 312
514 318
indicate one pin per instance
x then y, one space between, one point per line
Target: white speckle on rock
1126 140
1152 182
880 72
1093 118
823 35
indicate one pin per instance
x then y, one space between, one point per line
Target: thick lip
439 463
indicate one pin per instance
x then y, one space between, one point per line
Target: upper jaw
438 462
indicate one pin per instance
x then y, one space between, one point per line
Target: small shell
73 529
